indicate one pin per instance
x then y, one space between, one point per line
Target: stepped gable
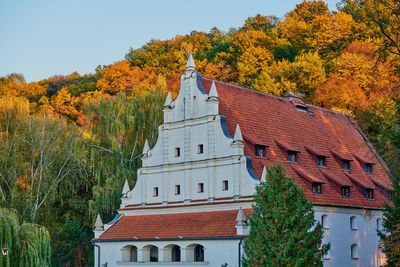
279 124
212 224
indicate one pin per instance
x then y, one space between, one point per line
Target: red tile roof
187 225
266 119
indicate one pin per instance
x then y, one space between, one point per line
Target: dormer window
369 193
346 165
321 161
200 149
317 188
260 151
368 167
177 151
345 191
292 156
177 189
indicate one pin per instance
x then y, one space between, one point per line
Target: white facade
194 162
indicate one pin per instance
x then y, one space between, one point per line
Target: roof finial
190 63
264 175
126 189
99 224
238 134
168 100
146 147
213 92
240 218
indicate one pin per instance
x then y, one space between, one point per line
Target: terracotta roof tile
186 225
269 118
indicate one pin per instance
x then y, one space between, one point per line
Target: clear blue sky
42 38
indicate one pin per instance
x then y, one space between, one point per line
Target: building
194 190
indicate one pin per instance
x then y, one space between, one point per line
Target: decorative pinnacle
146 147
240 218
99 224
190 63
168 100
126 189
238 134
264 175
213 92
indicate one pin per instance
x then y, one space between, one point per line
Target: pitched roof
281 126
173 226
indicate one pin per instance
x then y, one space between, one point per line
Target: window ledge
163 263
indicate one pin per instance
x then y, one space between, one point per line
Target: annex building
194 190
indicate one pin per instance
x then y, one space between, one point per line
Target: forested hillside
67 143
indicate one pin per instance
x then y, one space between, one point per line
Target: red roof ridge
274 96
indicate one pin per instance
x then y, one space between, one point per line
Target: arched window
353 223
176 253
354 252
153 253
199 253
324 221
129 253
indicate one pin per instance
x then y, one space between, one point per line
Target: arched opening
379 224
176 253
153 253
150 253
353 223
129 253
199 253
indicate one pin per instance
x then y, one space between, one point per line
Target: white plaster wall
341 236
216 253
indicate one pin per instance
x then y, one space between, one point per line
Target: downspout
98 253
240 251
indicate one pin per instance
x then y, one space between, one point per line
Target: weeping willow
119 128
29 244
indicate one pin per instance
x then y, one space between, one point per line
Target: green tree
283 231
391 213
119 127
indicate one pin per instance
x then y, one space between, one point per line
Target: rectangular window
321 161
346 165
368 168
177 189
200 149
200 187
346 191
155 192
177 151
317 188
369 193
260 151
225 185
292 156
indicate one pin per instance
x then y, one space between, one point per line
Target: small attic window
346 165
345 191
317 188
369 193
368 167
260 151
321 161
292 156
200 149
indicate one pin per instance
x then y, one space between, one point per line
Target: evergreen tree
283 231
391 213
